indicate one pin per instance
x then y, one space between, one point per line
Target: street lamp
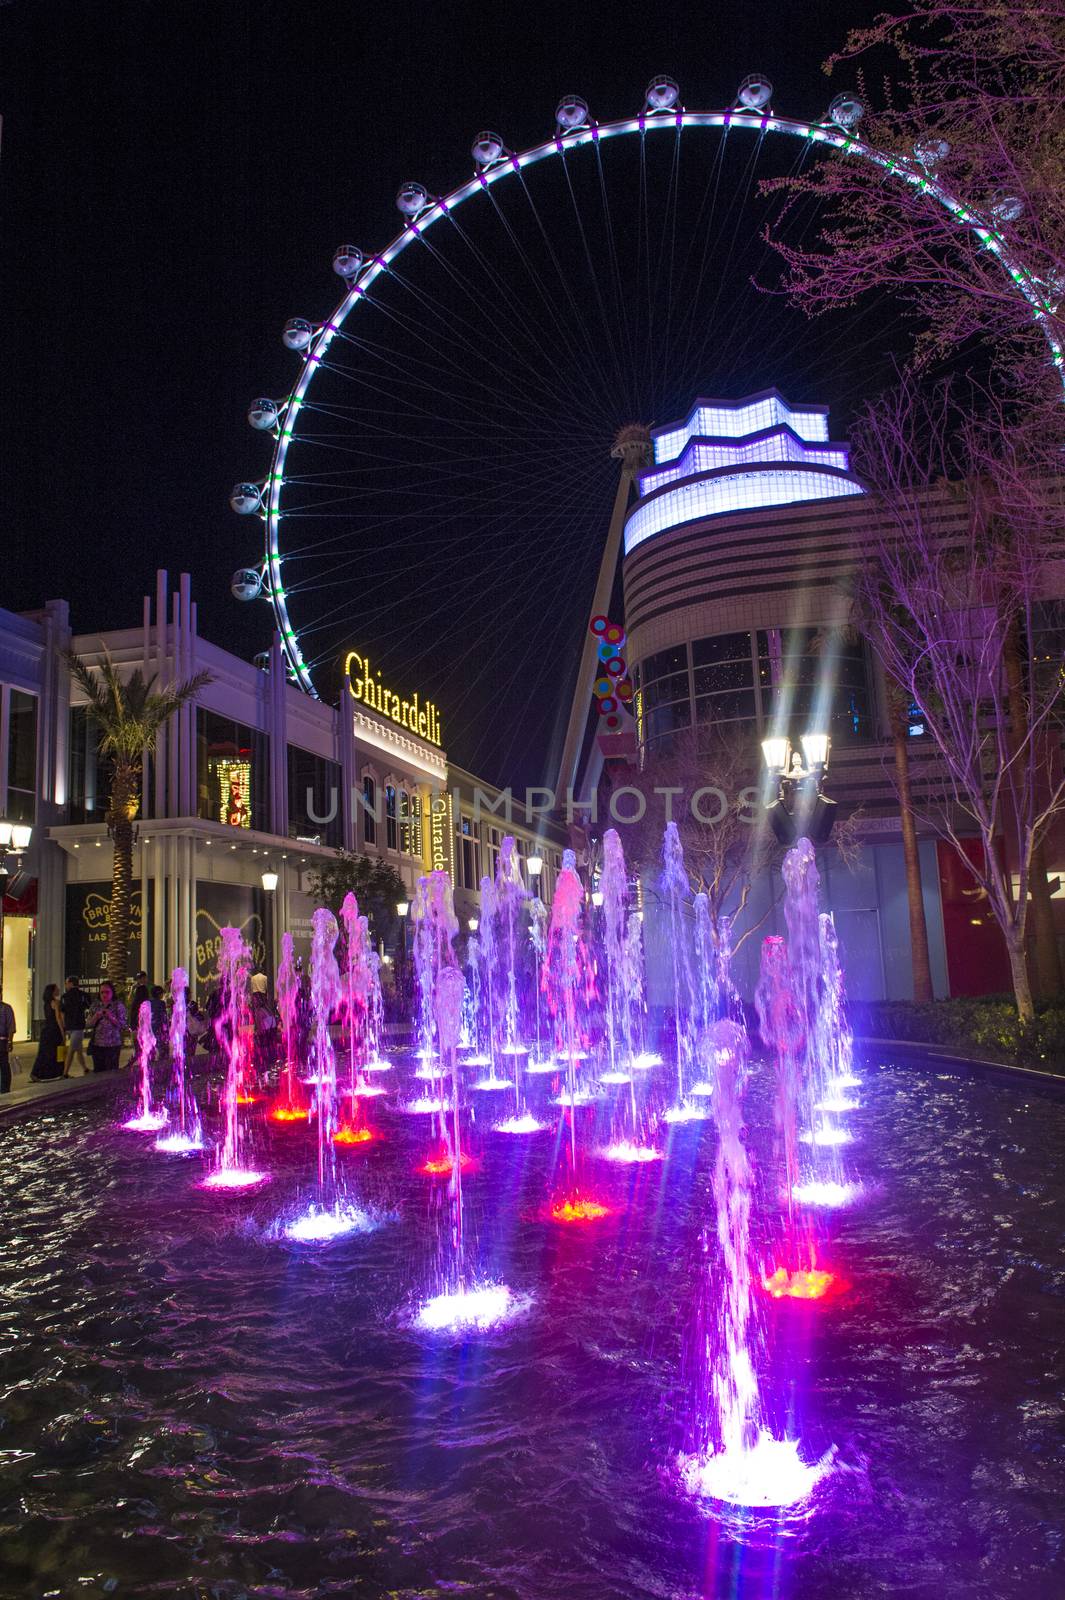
799 810
14 840
473 924
269 879
402 912
538 913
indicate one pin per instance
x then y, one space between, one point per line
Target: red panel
976 952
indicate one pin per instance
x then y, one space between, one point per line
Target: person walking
7 1039
107 1021
74 1005
51 1047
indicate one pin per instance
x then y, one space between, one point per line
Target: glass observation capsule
1006 207
412 198
262 414
755 92
846 111
297 333
662 94
246 584
571 112
246 498
486 148
348 260
930 152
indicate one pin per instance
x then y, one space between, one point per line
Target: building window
369 809
21 756
89 779
470 852
232 772
820 678
314 795
391 824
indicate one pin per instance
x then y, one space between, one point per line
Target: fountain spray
735 1458
187 1135
674 883
148 1117
234 964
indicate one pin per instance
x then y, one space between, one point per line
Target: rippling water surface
191 1408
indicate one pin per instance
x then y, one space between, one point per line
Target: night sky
174 179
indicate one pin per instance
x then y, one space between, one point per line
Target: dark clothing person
48 1064
74 1004
7 1038
141 996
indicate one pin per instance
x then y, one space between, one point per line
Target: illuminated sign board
364 684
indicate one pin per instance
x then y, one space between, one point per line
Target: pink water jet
148 1117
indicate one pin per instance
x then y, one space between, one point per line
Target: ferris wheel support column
632 448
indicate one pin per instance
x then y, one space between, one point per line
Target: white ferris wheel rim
508 163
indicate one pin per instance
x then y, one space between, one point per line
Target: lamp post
269 882
538 911
799 809
14 841
402 912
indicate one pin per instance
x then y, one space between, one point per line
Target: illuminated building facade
255 777
738 554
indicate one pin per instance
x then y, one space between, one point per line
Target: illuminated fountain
290 1106
510 901
360 1008
460 1306
780 1026
148 1117
735 1458
568 986
187 1135
674 885
489 1031
235 1029
614 885
329 1216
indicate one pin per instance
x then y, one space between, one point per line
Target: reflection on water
193 1404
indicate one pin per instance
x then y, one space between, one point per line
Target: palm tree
129 716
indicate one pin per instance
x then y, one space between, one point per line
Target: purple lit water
161 1438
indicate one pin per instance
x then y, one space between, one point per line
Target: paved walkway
24 1093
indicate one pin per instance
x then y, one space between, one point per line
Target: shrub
988 1026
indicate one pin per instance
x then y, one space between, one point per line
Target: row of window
757 680
233 787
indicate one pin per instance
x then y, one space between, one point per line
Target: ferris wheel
448 425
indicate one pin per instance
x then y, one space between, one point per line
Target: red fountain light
440 1166
354 1136
578 1210
289 1114
802 1284
245 1099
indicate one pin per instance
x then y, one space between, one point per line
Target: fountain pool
193 1404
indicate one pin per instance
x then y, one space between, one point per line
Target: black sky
174 177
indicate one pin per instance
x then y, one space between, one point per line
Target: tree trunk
120 815
1022 989
919 959
1047 957
1047 961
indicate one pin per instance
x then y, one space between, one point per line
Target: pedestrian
107 1022
141 995
264 1022
74 1004
51 1047
159 1017
7 1039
